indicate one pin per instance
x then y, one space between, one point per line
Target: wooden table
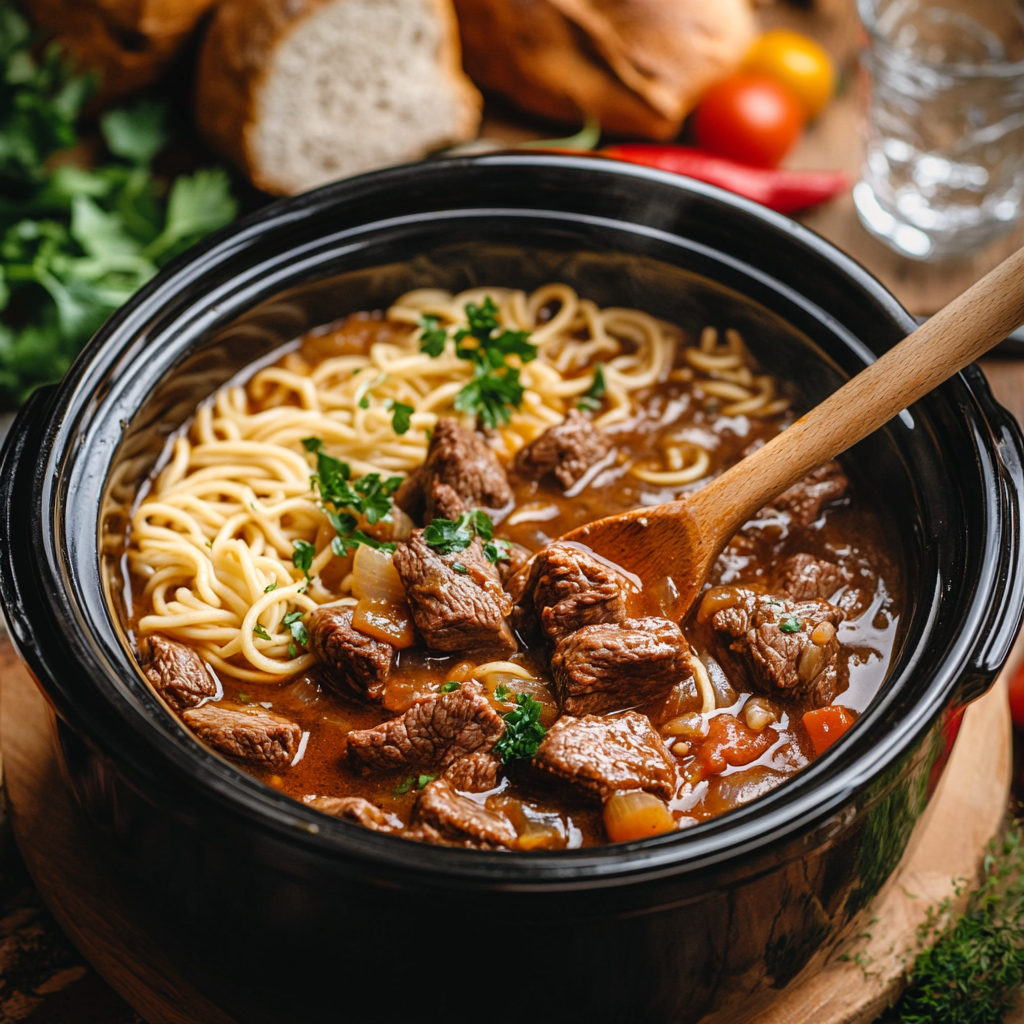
44 979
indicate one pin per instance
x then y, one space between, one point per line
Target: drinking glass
944 170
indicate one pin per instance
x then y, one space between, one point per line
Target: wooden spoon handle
956 336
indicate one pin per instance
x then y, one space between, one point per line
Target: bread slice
638 66
302 92
129 42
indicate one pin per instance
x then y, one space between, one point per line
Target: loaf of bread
302 92
639 66
129 42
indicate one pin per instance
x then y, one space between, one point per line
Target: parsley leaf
401 416
404 786
272 586
523 731
495 386
450 686
293 620
423 780
791 624
302 556
591 398
433 338
497 551
449 537
261 632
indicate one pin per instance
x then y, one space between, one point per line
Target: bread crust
639 66
131 43
237 56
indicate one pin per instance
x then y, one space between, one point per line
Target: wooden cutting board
59 849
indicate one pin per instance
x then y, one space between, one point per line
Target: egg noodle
213 537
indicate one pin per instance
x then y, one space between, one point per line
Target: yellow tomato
798 63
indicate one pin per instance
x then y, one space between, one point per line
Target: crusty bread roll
129 42
302 92
639 66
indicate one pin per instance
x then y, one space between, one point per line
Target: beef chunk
786 647
443 816
455 608
570 589
178 674
460 460
805 576
618 664
566 451
246 733
438 729
358 811
477 773
353 660
518 556
807 498
608 754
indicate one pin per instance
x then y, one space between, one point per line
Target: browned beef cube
457 600
608 754
461 460
518 556
438 729
443 816
566 451
477 773
353 661
570 589
807 498
618 665
443 502
178 674
358 811
247 733
786 647
805 576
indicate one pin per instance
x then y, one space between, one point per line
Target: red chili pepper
779 189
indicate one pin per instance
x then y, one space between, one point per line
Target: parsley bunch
495 386
590 400
523 731
449 537
76 243
973 972
367 496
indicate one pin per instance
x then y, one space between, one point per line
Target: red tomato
749 118
1017 697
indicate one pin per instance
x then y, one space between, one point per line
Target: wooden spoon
682 539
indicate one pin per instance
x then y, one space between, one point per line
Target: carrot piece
826 725
633 814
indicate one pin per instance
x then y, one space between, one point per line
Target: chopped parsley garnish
523 731
434 336
495 386
401 415
450 686
423 780
272 586
261 632
364 402
791 624
368 496
244 698
502 692
448 537
419 781
460 568
293 620
404 786
302 556
591 398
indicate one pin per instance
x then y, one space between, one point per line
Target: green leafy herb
502 692
302 556
244 698
404 786
261 632
523 731
76 243
497 551
401 416
460 568
972 965
591 398
293 620
494 387
791 624
423 780
419 781
449 537
434 336
451 685
272 586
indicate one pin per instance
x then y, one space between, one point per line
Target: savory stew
345 577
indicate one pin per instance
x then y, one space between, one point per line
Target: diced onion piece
374 575
826 725
385 620
759 714
691 725
633 815
823 633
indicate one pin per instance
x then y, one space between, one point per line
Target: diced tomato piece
730 742
826 725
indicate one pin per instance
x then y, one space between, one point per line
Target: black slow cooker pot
279 913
